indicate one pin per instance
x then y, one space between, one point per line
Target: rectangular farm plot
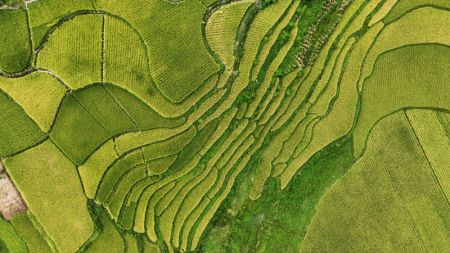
17 130
15 48
50 185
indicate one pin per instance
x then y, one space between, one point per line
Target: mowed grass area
390 201
15 46
412 76
51 188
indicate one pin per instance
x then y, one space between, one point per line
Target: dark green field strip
145 172
144 116
35 240
10 240
425 88
160 165
76 131
102 106
404 6
122 187
109 240
17 130
168 147
15 43
128 212
115 172
145 156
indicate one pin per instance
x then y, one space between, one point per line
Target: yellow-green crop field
247 126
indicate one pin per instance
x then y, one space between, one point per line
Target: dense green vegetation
223 126
278 217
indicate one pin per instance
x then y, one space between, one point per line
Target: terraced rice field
225 126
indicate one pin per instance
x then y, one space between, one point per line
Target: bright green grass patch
412 76
179 60
35 241
404 6
73 51
9 239
15 48
46 13
109 240
388 202
38 93
17 130
51 188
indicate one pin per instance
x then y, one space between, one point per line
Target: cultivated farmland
224 126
